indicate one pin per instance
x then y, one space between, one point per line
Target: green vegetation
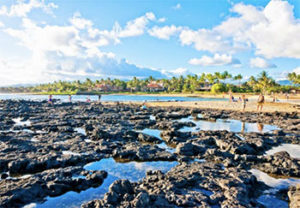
213 83
294 78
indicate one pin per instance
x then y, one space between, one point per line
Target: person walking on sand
260 102
244 100
50 100
231 97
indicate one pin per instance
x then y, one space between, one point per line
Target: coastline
224 105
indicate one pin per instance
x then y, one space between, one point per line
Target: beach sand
226 105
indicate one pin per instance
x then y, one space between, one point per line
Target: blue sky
43 41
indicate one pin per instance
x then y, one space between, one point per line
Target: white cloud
80 22
216 60
261 63
204 40
297 70
177 6
176 72
135 27
1 24
163 19
271 32
68 52
22 8
164 32
180 71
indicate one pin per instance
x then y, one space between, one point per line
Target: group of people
244 100
88 99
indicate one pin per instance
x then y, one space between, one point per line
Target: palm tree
294 78
264 81
210 78
238 77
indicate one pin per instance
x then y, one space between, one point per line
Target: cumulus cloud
1 24
261 63
164 32
252 28
72 52
216 60
136 26
22 8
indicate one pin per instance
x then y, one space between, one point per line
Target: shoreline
195 95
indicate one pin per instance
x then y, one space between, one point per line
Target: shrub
219 87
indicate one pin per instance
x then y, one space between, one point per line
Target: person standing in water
70 98
88 99
99 98
50 100
260 102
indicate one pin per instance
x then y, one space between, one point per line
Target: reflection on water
268 198
270 201
156 133
152 132
19 122
80 131
275 183
292 149
132 171
228 124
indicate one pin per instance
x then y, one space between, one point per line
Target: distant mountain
284 82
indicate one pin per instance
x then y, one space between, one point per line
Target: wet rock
294 196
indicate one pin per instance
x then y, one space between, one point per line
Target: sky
46 40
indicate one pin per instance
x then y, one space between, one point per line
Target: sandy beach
225 105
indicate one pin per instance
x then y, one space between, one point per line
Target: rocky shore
44 149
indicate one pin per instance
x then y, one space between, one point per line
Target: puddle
268 198
270 201
166 147
152 132
226 124
292 149
132 171
18 122
70 153
80 131
275 183
156 133
152 118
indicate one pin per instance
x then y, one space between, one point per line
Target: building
155 87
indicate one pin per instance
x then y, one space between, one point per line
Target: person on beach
231 98
244 100
144 106
260 102
70 98
50 100
99 98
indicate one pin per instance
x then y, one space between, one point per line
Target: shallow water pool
292 149
226 124
132 171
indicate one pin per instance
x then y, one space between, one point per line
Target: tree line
215 82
